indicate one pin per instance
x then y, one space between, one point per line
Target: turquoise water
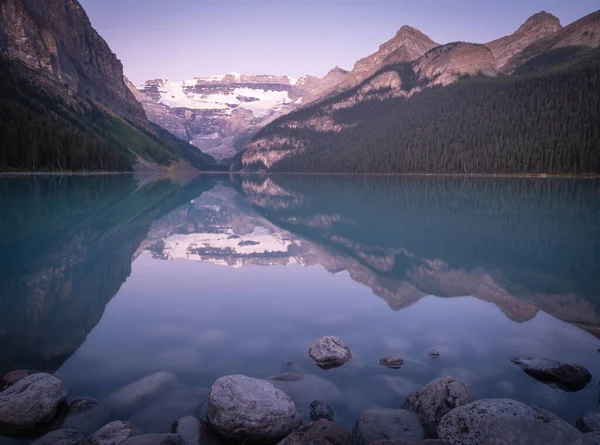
107 279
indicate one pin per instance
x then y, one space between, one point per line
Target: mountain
562 46
64 102
219 114
537 27
454 111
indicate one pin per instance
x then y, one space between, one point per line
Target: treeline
520 124
40 132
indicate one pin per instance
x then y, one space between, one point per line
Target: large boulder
321 432
130 399
61 437
436 399
113 433
329 352
588 423
159 416
253 410
30 403
155 439
387 424
566 376
505 421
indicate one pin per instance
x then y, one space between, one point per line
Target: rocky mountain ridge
56 40
218 114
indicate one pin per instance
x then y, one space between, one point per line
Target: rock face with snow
567 376
243 408
218 114
436 399
330 352
31 402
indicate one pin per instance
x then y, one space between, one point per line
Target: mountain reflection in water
527 246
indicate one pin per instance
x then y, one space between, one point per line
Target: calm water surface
105 280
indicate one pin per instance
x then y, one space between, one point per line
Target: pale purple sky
182 39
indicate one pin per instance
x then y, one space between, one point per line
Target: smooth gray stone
113 433
164 411
321 410
195 431
81 404
391 362
566 376
504 422
31 402
588 423
155 439
329 352
132 398
436 399
386 424
321 432
61 437
253 410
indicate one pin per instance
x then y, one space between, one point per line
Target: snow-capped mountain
219 114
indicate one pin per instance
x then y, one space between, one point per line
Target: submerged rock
155 439
436 399
305 388
329 352
61 437
131 398
195 431
253 410
391 362
30 403
505 421
113 433
322 432
321 410
81 404
588 423
160 415
88 421
387 424
566 376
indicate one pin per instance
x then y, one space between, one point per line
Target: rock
305 388
321 410
329 352
81 404
61 437
434 353
125 402
436 399
88 421
381 423
566 376
30 403
113 433
195 431
322 432
243 408
155 439
589 422
592 438
160 415
391 362
505 421
14 376
401 442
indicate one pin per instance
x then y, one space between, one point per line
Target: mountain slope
536 27
545 123
64 104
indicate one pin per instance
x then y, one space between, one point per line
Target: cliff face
537 27
55 39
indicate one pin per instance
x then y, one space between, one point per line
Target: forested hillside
40 132
529 123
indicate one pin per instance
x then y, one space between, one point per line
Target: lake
107 279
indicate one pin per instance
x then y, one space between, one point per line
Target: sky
183 39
